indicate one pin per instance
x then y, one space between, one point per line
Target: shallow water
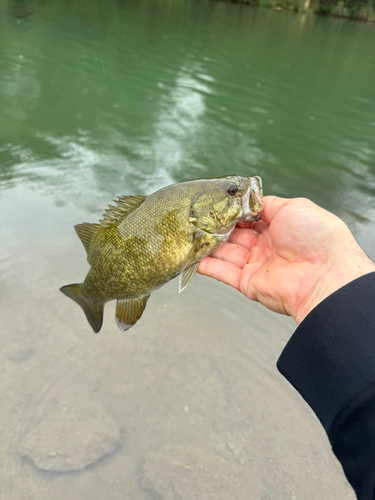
99 99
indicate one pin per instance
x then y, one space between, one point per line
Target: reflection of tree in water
20 9
355 9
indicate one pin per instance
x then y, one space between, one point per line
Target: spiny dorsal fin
85 232
128 312
125 206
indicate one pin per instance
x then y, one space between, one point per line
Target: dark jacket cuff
330 359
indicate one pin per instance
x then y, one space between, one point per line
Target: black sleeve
330 360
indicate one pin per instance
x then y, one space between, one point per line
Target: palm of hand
278 263
287 259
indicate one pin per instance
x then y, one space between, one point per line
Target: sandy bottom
188 405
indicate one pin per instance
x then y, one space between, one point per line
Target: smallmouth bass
145 241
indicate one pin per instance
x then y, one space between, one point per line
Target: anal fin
128 312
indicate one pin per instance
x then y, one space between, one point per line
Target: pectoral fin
128 312
191 263
186 276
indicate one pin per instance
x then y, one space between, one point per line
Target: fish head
238 199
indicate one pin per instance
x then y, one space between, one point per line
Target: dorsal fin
125 206
85 232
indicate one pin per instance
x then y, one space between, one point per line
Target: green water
99 99
129 96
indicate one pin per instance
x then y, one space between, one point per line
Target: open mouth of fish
253 200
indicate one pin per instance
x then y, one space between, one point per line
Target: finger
226 272
260 226
230 252
257 256
248 224
244 237
271 205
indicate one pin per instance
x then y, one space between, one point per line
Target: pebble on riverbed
71 437
187 472
19 355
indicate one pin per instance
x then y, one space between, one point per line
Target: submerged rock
19 355
69 438
189 473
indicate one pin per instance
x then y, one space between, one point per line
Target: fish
145 241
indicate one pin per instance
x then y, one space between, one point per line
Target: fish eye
232 189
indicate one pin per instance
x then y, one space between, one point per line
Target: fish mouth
252 201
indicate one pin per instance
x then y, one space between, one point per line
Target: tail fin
94 314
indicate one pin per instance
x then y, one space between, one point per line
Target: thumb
271 205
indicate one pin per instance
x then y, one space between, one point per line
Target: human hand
292 259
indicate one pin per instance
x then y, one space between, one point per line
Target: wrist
352 267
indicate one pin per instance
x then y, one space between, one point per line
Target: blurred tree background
363 10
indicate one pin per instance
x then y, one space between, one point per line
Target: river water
99 99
